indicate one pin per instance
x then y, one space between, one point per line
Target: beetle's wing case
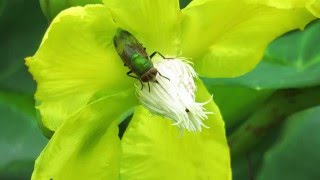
141 50
134 43
127 54
127 45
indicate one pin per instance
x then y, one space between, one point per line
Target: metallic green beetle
134 55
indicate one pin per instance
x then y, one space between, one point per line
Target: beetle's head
150 76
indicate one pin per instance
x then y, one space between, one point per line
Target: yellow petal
227 38
86 146
155 23
314 7
75 61
153 148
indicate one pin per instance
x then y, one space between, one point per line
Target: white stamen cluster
174 98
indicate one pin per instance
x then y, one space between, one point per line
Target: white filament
174 98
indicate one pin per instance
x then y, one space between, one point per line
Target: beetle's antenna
163 76
156 52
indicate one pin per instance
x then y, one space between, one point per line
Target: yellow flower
83 91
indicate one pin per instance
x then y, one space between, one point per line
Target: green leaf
184 3
21 28
247 166
296 154
20 169
235 102
19 81
20 137
2 5
274 111
291 61
20 34
20 102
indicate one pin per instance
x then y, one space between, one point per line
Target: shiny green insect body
134 55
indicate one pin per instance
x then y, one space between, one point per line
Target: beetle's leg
163 76
149 86
128 74
156 52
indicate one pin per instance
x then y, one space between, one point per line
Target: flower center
174 96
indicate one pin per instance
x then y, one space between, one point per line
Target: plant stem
276 109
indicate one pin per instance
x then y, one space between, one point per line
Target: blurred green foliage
296 152
21 28
272 113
